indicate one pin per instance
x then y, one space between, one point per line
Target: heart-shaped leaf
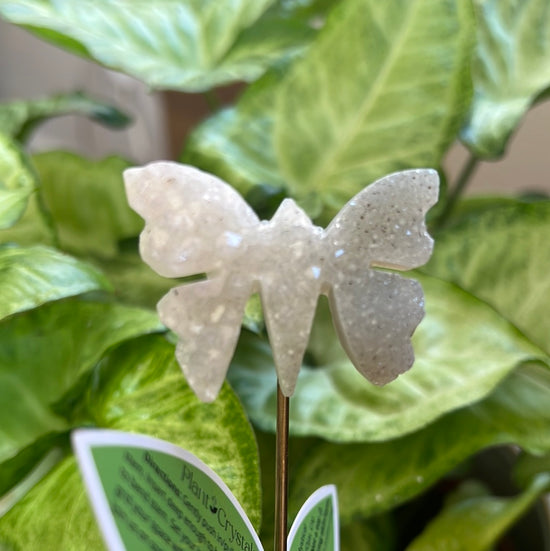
510 69
186 45
31 276
463 350
381 89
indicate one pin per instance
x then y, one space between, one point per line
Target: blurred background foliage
312 99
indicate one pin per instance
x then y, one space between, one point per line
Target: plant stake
281 472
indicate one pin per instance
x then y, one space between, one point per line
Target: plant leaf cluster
338 94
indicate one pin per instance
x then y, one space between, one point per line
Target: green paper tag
149 495
316 525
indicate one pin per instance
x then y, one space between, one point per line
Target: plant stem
461 182
281 472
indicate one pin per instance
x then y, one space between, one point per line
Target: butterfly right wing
375 312
375 317
384 224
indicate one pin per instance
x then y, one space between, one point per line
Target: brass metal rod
281 472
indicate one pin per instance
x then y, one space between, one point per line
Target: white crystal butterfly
196 223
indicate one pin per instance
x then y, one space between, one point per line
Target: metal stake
281 471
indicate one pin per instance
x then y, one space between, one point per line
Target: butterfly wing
193 220
374 320
206 316
374 312
384 225
195 223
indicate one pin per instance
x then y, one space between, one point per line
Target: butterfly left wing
196 223
375 312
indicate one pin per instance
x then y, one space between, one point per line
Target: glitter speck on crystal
233 239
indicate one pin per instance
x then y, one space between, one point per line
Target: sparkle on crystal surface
196 223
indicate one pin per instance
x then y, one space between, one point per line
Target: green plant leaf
477 523
510 69
87 202
376 477
139 388
19 118
43 355
187 45
269 40
31 276
32 228
17 182
236 143
463 350
507 268
50 519
382 88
